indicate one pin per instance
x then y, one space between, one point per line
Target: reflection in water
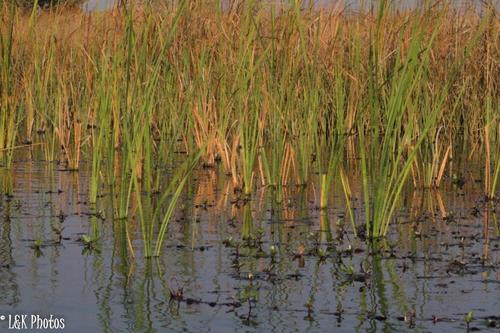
414 275
9 292
247 230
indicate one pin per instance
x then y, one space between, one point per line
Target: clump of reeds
275 95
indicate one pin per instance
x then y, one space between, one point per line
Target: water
101 5
434 275
98 5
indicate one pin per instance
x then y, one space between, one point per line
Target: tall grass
492 150
384 144
275 95
9 106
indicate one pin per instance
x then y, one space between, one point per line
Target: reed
492 150
9 106
174 191
384 165
272 94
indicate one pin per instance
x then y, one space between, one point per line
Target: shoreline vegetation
274 95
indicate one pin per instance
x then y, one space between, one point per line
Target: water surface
101 5
440 262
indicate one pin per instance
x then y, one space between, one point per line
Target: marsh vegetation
352 124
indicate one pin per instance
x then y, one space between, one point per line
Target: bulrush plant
248 96
492 150
383 143
9 109
394 147
274 158
172 192
277 93
70 139
334 133
100 132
